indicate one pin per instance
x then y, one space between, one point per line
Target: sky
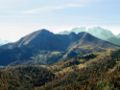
21 17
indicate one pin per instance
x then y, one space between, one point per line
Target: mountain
75 30
95 31
44 47
115 40
88 44
105 35
118 36
101 33
78 30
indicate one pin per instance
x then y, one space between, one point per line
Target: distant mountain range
118 36
97 32
44 47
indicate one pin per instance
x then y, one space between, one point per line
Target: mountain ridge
98 32
42 44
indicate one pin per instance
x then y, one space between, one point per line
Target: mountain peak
41 31
72 34
33 36
79 29
44 31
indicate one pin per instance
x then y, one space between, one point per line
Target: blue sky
20 17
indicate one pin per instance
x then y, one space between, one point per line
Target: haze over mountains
44 47
98 32
118 35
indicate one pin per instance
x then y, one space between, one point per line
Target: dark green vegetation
96 71
24 77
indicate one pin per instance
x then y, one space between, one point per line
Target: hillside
24 77
101 73
98 71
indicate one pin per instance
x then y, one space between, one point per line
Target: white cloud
62 5
50 9
26 7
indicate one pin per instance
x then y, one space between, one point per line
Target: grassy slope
101 73
24 77
89 73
